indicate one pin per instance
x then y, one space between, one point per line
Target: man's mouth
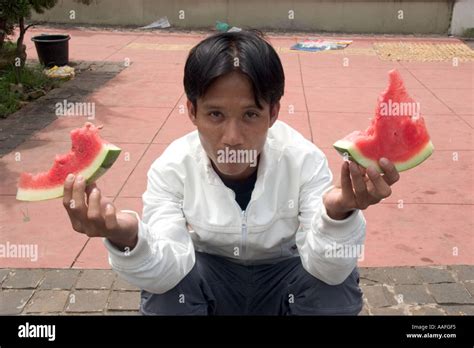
237 156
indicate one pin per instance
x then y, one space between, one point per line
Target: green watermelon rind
103 161
353 154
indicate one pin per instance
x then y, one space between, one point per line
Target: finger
93 212
68 203
360 188
104 200
391 174
110 217
89 189
77 203
68 183
382 189
346 182
362 170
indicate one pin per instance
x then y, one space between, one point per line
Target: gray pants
217 286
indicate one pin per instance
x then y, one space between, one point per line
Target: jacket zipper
244 234
243 215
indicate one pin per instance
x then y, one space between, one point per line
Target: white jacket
186 207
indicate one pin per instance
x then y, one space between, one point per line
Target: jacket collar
269 158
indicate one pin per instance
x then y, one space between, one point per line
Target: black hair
247 52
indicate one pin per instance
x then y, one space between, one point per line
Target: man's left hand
359 188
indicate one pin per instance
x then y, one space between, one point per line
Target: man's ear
191 111
274 113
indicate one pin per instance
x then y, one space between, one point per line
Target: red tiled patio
140 110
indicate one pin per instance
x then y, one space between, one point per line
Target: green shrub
469 32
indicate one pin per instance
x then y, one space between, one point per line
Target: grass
469 33
32 79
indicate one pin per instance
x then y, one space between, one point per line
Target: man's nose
233 134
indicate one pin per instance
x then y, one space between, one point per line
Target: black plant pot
52 49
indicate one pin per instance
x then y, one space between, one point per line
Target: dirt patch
33 117
423 52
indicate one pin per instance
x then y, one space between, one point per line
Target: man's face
231 127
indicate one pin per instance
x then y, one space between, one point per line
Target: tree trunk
3 31
20 47
20 58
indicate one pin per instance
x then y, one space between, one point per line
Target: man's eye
215 114
251 114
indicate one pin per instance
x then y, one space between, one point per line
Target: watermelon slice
398 132
90 156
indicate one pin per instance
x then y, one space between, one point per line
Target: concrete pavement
387 291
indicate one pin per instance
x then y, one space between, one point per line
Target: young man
239 216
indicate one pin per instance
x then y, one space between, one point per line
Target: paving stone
387 311
82 314
41 314
403 275
87 301
65 93
124 300
93 297
434 275
13 301
413 294
96 279
23 279
3 274
364 311
378 296
370 276
459 310
39 124
81 65
93 66
123 313
450 293
86 85
111 68
366 281
121 284
470 287
464 272
60 279
47 301
10 145
425 310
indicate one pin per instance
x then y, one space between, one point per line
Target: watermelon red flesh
90 156
401 137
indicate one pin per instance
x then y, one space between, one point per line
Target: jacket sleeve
323 243
164 254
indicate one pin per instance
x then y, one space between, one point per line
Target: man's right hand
94 215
